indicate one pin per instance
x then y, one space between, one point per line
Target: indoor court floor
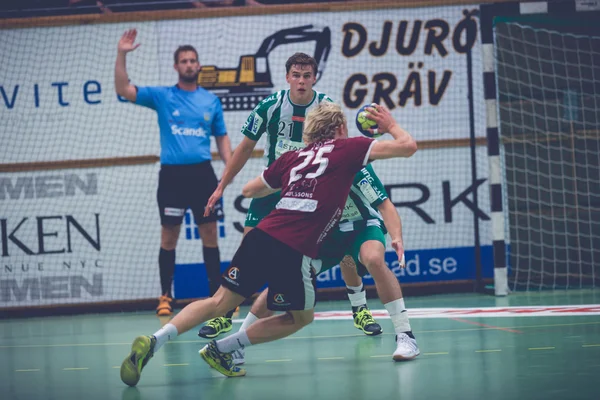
543 345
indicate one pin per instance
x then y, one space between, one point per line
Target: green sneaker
142 351
222 362
363 320
215 327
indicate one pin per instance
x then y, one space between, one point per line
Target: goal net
549 118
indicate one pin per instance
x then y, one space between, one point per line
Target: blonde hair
321 122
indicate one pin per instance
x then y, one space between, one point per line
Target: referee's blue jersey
186 121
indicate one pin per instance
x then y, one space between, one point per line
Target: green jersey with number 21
282 122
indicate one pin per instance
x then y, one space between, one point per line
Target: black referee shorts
186 186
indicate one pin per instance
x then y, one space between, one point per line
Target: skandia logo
199 132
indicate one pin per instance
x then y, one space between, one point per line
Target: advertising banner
88 235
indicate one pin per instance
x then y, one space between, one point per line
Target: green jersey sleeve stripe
256 124
323 97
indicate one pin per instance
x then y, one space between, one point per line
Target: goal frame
488 14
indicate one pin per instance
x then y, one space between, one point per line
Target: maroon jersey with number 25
315 183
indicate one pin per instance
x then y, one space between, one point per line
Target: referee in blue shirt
188 116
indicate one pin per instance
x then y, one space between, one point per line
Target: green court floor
462 357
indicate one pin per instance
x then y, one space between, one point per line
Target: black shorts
262 259
186 186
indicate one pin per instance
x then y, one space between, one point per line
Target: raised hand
383 117
127 41
217 194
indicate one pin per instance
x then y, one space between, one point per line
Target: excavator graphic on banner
242 88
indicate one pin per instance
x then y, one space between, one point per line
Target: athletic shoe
239 357
222 362
215 327
164 306
406 348
363 320
142 351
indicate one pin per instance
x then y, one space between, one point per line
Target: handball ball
363 123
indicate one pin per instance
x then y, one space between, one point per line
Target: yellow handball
363 123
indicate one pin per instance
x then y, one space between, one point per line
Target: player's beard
189 78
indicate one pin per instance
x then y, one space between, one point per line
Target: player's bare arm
393 224
122 85
224 148
257 187
240 157
403 144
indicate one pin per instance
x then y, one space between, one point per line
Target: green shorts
260 208
340 244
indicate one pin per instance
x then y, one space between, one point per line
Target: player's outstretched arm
122 85
258 188
240 157
403 144
237 161
393 224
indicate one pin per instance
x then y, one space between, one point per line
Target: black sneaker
363 320
215 327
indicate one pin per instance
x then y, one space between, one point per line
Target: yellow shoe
222 362
215 327
164 306
142 351
363 320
